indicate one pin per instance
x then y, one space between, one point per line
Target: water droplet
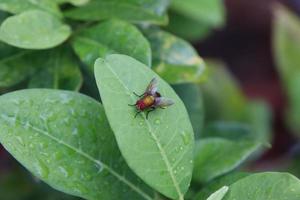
86 176
141 123
64 171
157 121
191 161
181 148
182 168
41 169
173 160
31 146
20 140
75 131
186 138
175 171
27 125
65 99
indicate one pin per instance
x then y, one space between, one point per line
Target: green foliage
174 59
286 41
54 144
194 19
84 150
167 170
27 31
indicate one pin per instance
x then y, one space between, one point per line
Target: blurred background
243 43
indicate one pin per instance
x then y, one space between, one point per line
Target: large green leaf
209 12
286 39
219 194
217 156
34 29
192 99
262 186
174 59
19 6
159 149
113 36
136 11
64 139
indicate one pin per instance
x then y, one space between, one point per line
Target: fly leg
149 111
138 94
137 113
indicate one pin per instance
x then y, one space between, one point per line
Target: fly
151 99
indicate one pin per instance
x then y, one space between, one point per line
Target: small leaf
192 99
175 59
19 6
158 149
228 179
217 156
209 12
64 139
262 186
133 11
34 30
286 42
219 194
113 36
60 71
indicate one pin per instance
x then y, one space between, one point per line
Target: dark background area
245 45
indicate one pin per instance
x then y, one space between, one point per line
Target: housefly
151 99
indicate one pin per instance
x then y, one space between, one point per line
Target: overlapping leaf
112 36
174 59
28 31
158 149
54 143
149 11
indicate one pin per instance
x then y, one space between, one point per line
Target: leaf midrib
97 162
159 146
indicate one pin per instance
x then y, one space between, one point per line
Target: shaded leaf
187 28
191 96
217 156
60 71
135 11
15 65
174 59
19 6
46 131
223 98
113 36
159 149
28 31
262 186
209 12
286 41
74 2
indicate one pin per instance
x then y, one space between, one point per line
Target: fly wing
152 87
163 102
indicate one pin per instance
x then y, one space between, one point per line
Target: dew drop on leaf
157 121
41 169
186 138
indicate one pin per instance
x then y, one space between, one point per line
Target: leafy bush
81 147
